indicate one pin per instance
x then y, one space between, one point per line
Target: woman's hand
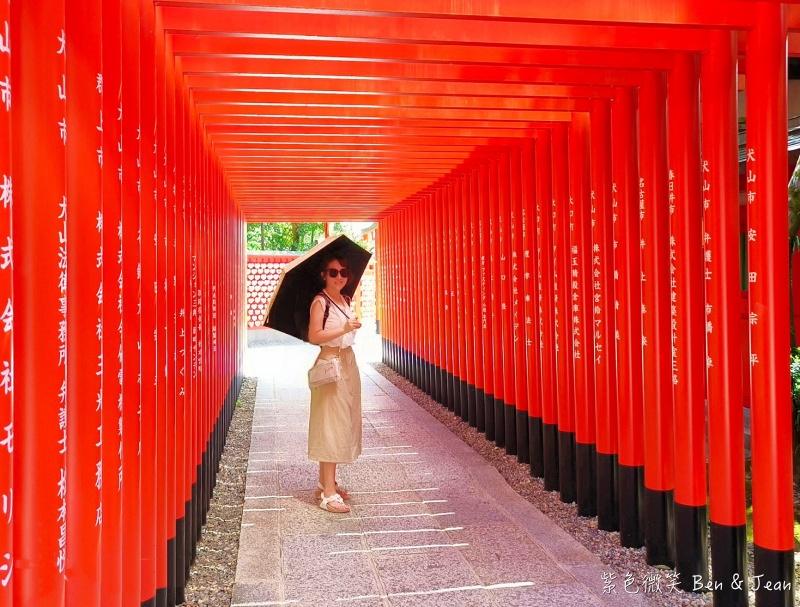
352 325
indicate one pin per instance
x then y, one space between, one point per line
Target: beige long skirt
334 426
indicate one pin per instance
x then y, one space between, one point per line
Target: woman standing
334 427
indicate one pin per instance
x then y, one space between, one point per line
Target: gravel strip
212 574
605 545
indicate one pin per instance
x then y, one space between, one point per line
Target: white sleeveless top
336 320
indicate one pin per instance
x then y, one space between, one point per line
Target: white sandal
342 493
334 503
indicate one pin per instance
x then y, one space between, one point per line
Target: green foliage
298 237
353 234
283 236
794 366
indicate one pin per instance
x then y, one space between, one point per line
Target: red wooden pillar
439 371
656 346
112 531
409 342
193 407
400 333
147 303
37 437
605 360
561 299
167 119
165 587
582 337
462 281
468 277
422 278
628 304
6 335
546 302
486 424
201 234
516 312
495 241
384 265
476 416
770 398
449 298
691 527
432 315
428 280
391 270
456 291
396 294
726 478
84 303
530 312
408 322
389 297
131 361
183 416
506 312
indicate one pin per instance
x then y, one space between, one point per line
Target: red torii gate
597 241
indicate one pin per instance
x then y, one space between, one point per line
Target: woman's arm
315 333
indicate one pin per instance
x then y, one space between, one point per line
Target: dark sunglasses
333 272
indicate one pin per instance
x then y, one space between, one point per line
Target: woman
334 427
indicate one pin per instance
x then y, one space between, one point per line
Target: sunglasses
333 272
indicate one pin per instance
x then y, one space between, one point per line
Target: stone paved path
432 523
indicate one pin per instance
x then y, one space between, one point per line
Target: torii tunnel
561 209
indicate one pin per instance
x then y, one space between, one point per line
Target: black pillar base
729 564
523 449
472 405
429 375
149 602
568 486
480 410
550 456
437 384
499 422
659 526
205 489
464 398
489 417
191 533
535 456
180 561
161 597
586 480
457 396
511 429
171 569
607 492
776 586
691 544
631 506
451 391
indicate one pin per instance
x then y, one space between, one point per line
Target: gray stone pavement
432 523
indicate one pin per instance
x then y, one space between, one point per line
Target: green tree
283 236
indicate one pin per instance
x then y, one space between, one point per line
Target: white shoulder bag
325 371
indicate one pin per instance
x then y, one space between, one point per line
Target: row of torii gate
557 189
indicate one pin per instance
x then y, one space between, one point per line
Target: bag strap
325 315
346 315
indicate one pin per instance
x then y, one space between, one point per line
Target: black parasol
300 281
